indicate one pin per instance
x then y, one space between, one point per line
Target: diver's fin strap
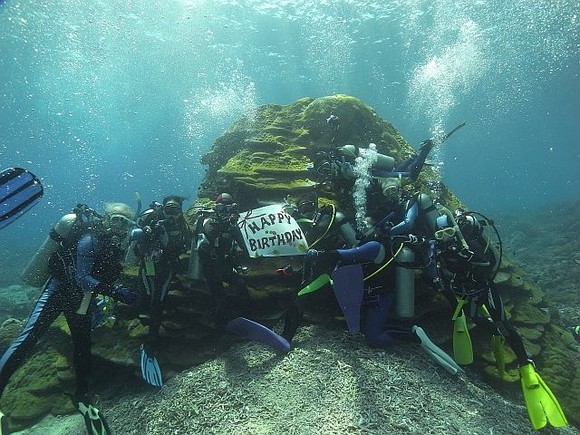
94 420
460 303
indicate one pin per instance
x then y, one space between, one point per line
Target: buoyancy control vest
472 269
63 237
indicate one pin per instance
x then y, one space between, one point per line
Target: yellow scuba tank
36 271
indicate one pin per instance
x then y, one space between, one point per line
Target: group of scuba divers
371 266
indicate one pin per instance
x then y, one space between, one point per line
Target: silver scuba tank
405 285
36 271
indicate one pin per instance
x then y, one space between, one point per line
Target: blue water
103 99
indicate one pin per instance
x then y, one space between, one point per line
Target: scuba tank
36 272
194 269
428 210
383 163
405 285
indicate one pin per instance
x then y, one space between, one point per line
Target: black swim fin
19 191
94 420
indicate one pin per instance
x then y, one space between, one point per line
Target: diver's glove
123 294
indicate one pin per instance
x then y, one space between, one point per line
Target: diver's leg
80 329
494 305
46 310
292 320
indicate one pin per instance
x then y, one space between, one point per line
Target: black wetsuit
165 239
97 265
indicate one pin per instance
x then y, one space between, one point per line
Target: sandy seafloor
330 383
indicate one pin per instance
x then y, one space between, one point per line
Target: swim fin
435 352
543 407
94 420
3 424
499 353
315 285
348 288
150 369
462 347
257 332
19 191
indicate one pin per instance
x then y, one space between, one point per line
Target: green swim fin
315 285
543 407
499 353
94 420
462 347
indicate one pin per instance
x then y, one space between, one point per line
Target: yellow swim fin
499 353
543 407
462 347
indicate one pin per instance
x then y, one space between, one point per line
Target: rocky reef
263 158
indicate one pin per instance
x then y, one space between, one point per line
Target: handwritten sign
271 232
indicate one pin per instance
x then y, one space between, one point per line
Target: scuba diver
218 246
333 123
463 267
322 225
162 237
20 190
398 225
82 257
368 302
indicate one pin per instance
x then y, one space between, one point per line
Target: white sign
271 232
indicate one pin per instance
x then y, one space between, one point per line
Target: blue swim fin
255 331
435 352
348 288
19 191
150 369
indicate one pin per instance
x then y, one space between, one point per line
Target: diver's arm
86 255
405 226
413 165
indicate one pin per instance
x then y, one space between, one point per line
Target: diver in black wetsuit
91 266
164 236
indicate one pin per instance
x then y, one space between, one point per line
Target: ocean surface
102 99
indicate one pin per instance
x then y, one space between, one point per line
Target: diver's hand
124 295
